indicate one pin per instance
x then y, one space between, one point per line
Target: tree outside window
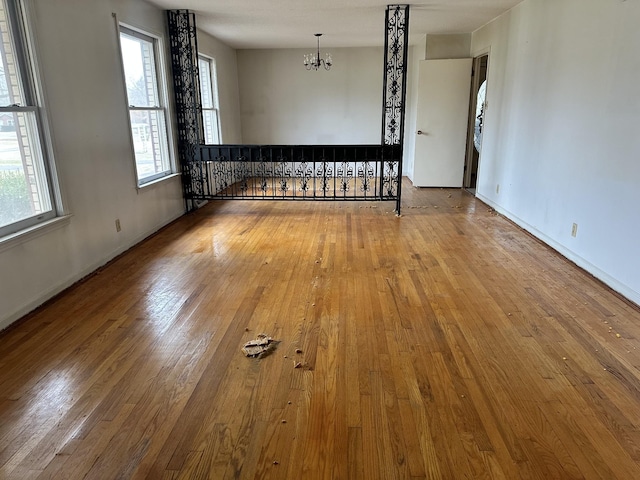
25 193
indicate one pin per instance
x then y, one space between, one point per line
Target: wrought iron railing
300 172
286 172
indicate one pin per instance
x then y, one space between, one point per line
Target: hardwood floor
443 344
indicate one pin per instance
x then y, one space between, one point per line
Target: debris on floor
262 346
302 366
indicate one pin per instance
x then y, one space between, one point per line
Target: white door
442 116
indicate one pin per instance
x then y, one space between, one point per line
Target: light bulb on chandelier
313 61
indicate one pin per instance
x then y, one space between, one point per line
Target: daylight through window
147 110
209 97
25 193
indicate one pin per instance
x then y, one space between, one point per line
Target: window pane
147 112
11 91
24 191
206 91
211 128
208 96
148 129
139 71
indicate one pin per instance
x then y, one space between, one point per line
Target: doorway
477 107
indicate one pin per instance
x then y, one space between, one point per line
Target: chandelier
312 61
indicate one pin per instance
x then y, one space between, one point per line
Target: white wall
77 48
561 129
282 103
448 46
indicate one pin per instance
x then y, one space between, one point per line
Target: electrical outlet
498 188
574 230
118 227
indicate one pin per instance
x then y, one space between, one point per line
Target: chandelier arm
314 62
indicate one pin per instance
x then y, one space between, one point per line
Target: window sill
35 231
157 181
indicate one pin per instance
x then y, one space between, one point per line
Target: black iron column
394 95
186 88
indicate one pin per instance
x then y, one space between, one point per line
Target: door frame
475 87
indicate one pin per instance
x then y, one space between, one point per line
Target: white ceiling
344 23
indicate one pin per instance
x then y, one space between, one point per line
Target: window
209 96
26 197
147 105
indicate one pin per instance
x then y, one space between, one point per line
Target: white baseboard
69 281
604 277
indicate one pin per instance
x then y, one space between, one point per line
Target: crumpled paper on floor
262 346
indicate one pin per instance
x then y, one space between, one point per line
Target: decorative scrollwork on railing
324 171
394 90
304 173
221 171
390 179
365 174
345 175
283 173
243 172
186 86
194 171
347 172
264 173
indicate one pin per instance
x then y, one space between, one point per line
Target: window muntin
26 197
209 98
147 111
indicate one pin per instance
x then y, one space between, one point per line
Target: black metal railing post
394 92
186 89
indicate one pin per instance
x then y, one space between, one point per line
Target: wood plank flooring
444 344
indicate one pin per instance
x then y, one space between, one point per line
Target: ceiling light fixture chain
313 61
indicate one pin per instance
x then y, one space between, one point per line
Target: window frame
23 44
213 81
163 106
